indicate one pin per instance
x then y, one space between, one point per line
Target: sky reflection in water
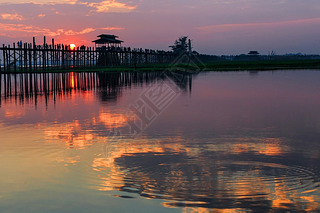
229 142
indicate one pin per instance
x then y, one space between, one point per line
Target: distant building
106 40
253 53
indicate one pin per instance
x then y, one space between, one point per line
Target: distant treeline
214 58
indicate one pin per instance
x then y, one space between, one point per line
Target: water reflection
240 157
27 88
215 175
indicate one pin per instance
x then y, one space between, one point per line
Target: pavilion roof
107 39
107 36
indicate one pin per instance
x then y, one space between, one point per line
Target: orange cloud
71 1
84 31
9 16
112 28
11 30
111 6
23 29
42 2
41 15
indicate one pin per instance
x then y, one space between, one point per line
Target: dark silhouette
30 87
107 40
253 52
181 45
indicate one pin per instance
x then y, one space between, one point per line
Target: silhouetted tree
180 45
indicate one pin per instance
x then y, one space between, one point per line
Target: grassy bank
223 66
210 66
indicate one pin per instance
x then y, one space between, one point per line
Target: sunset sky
215 26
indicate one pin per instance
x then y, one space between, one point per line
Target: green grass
211 66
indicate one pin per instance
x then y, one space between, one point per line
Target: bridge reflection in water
29 87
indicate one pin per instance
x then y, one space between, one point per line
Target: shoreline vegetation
215 66
110 56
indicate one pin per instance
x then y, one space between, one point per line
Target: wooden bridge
29 57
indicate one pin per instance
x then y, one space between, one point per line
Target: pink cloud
84 31
9 16
10 30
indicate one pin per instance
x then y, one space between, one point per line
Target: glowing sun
72 46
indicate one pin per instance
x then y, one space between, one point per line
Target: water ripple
235 184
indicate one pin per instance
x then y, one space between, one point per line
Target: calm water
146 142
